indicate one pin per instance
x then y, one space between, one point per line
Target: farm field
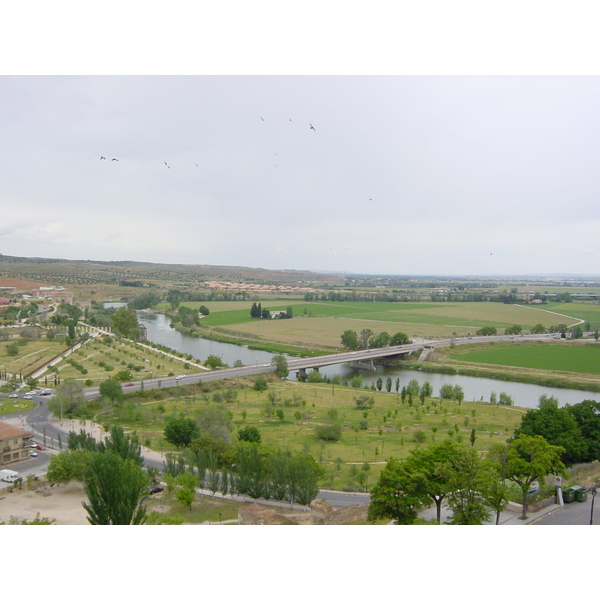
578 358
32 354
288 412
101 360
585 311
322 324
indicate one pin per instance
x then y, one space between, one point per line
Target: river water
474 388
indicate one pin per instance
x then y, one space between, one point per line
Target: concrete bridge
362 359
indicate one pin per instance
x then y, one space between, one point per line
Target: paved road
574 513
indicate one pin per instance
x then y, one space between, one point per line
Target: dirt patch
60 502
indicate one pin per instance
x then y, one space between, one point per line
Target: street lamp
594 489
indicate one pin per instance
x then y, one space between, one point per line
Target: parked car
156 489
39 447
33 453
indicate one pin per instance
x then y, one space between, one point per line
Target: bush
329 433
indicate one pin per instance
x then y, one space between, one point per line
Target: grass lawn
579 358
10 406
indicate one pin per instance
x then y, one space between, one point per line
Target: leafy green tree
127 446
305 473
187 490
487 330
399 339
537 329
558 427
110 388
529 459
114 488
213 361
260 384
281 366
125 323
181 430
398 494
587 416
365 337
69 401
68 465
81 441
469 478
249 433
350 340
432 462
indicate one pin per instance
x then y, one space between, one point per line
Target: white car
33 453
180 377
13 395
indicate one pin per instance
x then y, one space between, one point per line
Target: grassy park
288 413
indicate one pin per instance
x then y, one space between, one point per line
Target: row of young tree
259 472
474 487
367 339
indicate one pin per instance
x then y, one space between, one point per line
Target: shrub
329 433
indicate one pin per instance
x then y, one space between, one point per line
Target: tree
181 431
305 473
114 487
187 491
350 340
213 361
68 465
587 416
399 339
69 401
432 462
487 330
111 389
125 323
126 446
468 479
249 433
537 329
529 459
558 427
281 366
397 495
365 337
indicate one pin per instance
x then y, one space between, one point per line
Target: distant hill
63 271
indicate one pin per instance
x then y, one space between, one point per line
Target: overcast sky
401 174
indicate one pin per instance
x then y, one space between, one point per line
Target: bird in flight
311 126
168 167
114 159
103 158
261 119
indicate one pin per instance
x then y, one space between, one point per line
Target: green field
321 324
580 358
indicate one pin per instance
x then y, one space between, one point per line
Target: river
475 388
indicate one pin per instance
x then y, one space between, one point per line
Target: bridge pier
365 365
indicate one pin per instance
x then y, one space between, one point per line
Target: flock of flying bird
168 167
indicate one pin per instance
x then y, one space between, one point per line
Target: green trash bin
581 494
568 495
